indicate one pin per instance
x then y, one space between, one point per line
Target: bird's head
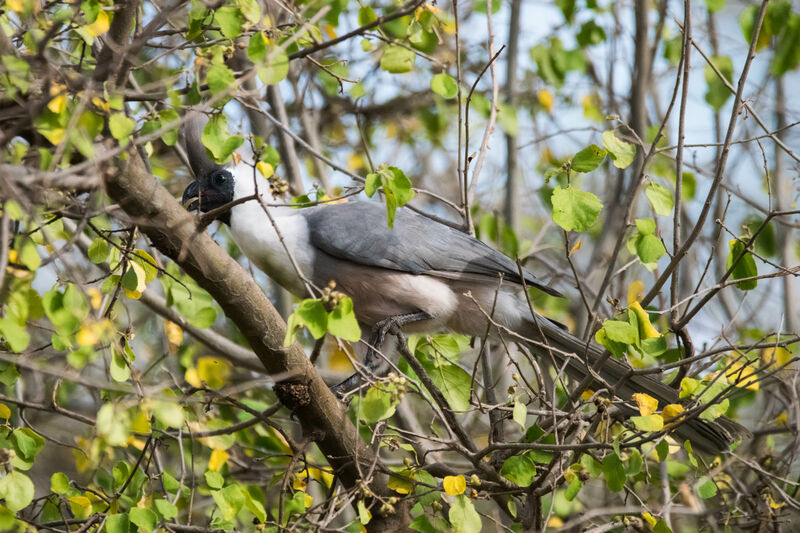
214 184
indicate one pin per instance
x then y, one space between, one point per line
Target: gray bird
415 276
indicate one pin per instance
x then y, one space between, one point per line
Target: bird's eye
221 178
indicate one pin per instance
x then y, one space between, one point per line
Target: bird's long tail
707 436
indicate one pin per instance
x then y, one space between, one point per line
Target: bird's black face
209 192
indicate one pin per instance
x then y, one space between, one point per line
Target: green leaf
463 516
17 489
588 159
219 78
27 443
444 85
707 489
216 138
453 381
168 413
377 404
98 251
121 127
573 488
646 226
662 449
29 257
590 34
649 248
229 500
648 423
15 335
372 184
145 519
113 424
481 5
519 469
342 321
397 60
257 47
507 118
366 15
59 483
623 332
276 67
119 369
787 50
614 472
574 209
520 412
167 510
717 93
214 479
622 153
745 268
714 5
314 317
117 523
660 198
230 20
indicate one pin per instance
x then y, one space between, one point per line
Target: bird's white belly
259 239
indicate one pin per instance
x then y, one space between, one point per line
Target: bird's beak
190 196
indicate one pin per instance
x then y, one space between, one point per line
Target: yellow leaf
782 419
141 281
54 135
555 522
671 411
647 404
587 394
174 336
87 336
16 6
192 378
635 291
329 31
339 361
742 375
773 504
100 25
321 475
401 483
449 27
646 329
779 356
81 506
356 161
141 422
300 481
136 443
308 499
5 412
545 98
265 169
95 297
215 372
58 104
575 248
650 519
455 485
101 104
217 460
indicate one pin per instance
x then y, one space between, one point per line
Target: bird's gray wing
357 232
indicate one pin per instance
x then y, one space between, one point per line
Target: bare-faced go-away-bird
419 276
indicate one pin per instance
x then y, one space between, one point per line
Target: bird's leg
371 359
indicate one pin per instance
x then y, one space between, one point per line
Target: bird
420 276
